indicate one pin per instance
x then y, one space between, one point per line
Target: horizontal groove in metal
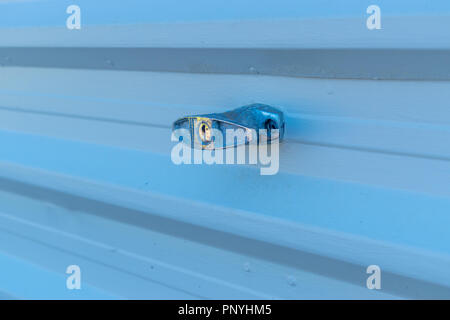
379 64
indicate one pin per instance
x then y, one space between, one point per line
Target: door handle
253 123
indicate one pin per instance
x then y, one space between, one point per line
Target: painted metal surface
252 124
86 176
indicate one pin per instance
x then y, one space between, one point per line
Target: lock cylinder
254 123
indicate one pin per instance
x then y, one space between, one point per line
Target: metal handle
254 123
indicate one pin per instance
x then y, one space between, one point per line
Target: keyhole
205 134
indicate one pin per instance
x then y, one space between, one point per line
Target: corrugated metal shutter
87 179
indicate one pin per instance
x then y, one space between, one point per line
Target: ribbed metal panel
86 176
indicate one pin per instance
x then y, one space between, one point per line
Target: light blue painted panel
86 176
